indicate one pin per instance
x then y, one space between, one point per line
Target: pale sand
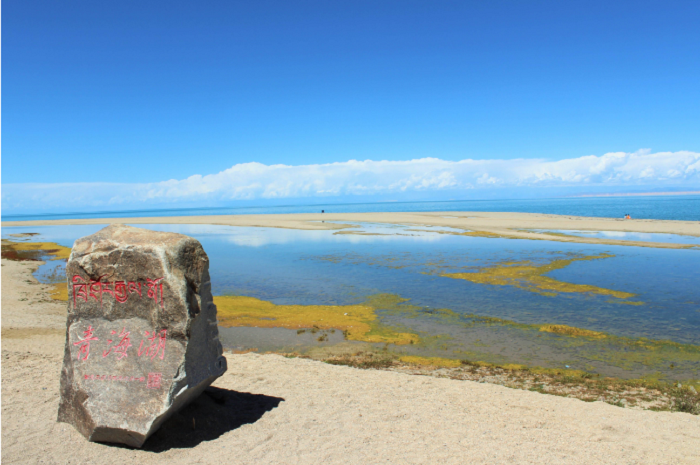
503 224
269 409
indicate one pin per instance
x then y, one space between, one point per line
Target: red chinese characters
84 344
119 290
156 345
151 347
119 349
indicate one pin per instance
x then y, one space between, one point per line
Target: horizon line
631 194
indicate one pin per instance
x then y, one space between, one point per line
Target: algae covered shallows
531 276
358 322
548 305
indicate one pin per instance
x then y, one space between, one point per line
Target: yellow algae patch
465 233
358 322
480 234
59 292
33 250
571 331
362 233
513 366
430 361
530 276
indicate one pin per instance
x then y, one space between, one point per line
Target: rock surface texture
141 338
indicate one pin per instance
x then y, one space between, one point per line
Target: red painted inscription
155 346
152 346
119 349
155 290
84 344
120 290
153 381
115 378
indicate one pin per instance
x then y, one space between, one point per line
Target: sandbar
488 224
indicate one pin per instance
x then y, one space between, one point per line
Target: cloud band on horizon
250 181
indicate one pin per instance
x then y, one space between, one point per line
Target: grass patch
685 399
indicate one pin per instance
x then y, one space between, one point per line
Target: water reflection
348 266
628 236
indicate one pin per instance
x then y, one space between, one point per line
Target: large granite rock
141 338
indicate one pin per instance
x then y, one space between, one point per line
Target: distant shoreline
532 226
665 206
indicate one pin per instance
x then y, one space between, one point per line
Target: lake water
499 292
676 207
627 236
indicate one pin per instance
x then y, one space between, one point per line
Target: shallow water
295 267
628 236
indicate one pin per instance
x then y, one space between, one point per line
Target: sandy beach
272 409
512 225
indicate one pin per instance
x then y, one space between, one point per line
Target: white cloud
248 181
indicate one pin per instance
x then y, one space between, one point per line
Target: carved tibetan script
119 290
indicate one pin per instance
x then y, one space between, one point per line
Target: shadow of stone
217 411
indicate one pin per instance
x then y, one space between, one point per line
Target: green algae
369 322
630 353
34 251
571 331
531 277
625 353
635 354
59 292
524 274
362 233
358 322
648 392
38 251
487 234
362 323
430 361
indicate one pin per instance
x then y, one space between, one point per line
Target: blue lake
287 266
629 236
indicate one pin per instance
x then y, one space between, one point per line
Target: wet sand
270 409
513 225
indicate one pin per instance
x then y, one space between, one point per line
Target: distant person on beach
323 211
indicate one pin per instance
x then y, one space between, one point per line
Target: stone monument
141 337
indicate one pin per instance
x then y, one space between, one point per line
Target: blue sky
130 95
